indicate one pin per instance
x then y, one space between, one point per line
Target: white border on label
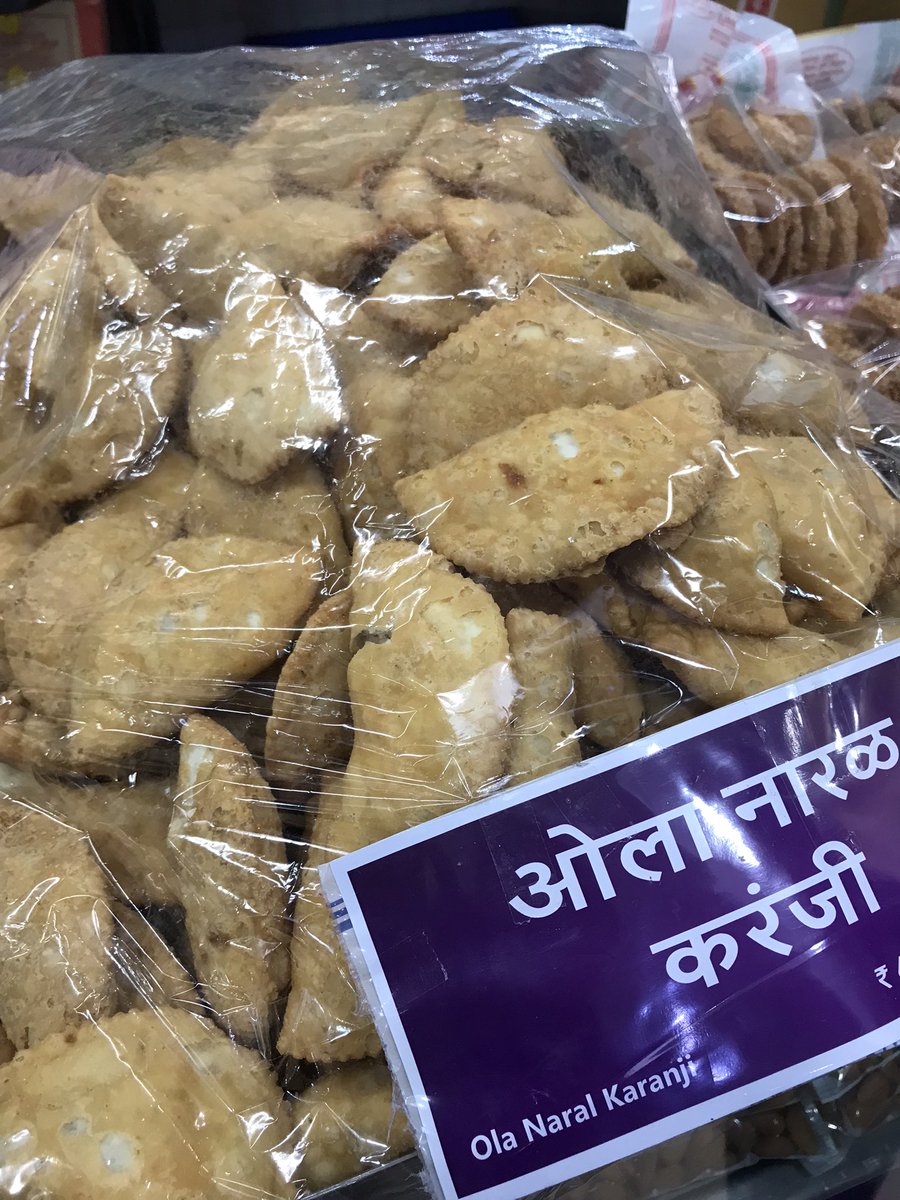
338 887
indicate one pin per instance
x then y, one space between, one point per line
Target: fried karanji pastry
179 153
128 290
727 571
158 1102
17 544
227 842
361 342
506 245
431 690
364 493
55 966
127 822
323 148
522 357
293 505
179 631
309 237
831 549
409 198
156 495
510 158
84 395
667 703
35 200
427 291
29 739
149 974
372 458
868 633
346 1123
720 668
651 239
567 487
724 369
55 597
543 736
177 229
265 387
310 730
608 704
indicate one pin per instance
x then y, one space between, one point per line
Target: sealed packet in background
852 310
808 184
854 67
341 389
803 192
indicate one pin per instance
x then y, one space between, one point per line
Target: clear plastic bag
863 1096
787 1128
856 315
375 420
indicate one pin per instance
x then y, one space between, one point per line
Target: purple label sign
587 965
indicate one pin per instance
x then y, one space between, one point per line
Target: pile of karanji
350 470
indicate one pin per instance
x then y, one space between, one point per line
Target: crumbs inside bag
399 430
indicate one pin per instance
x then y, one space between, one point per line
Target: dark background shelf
149 26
